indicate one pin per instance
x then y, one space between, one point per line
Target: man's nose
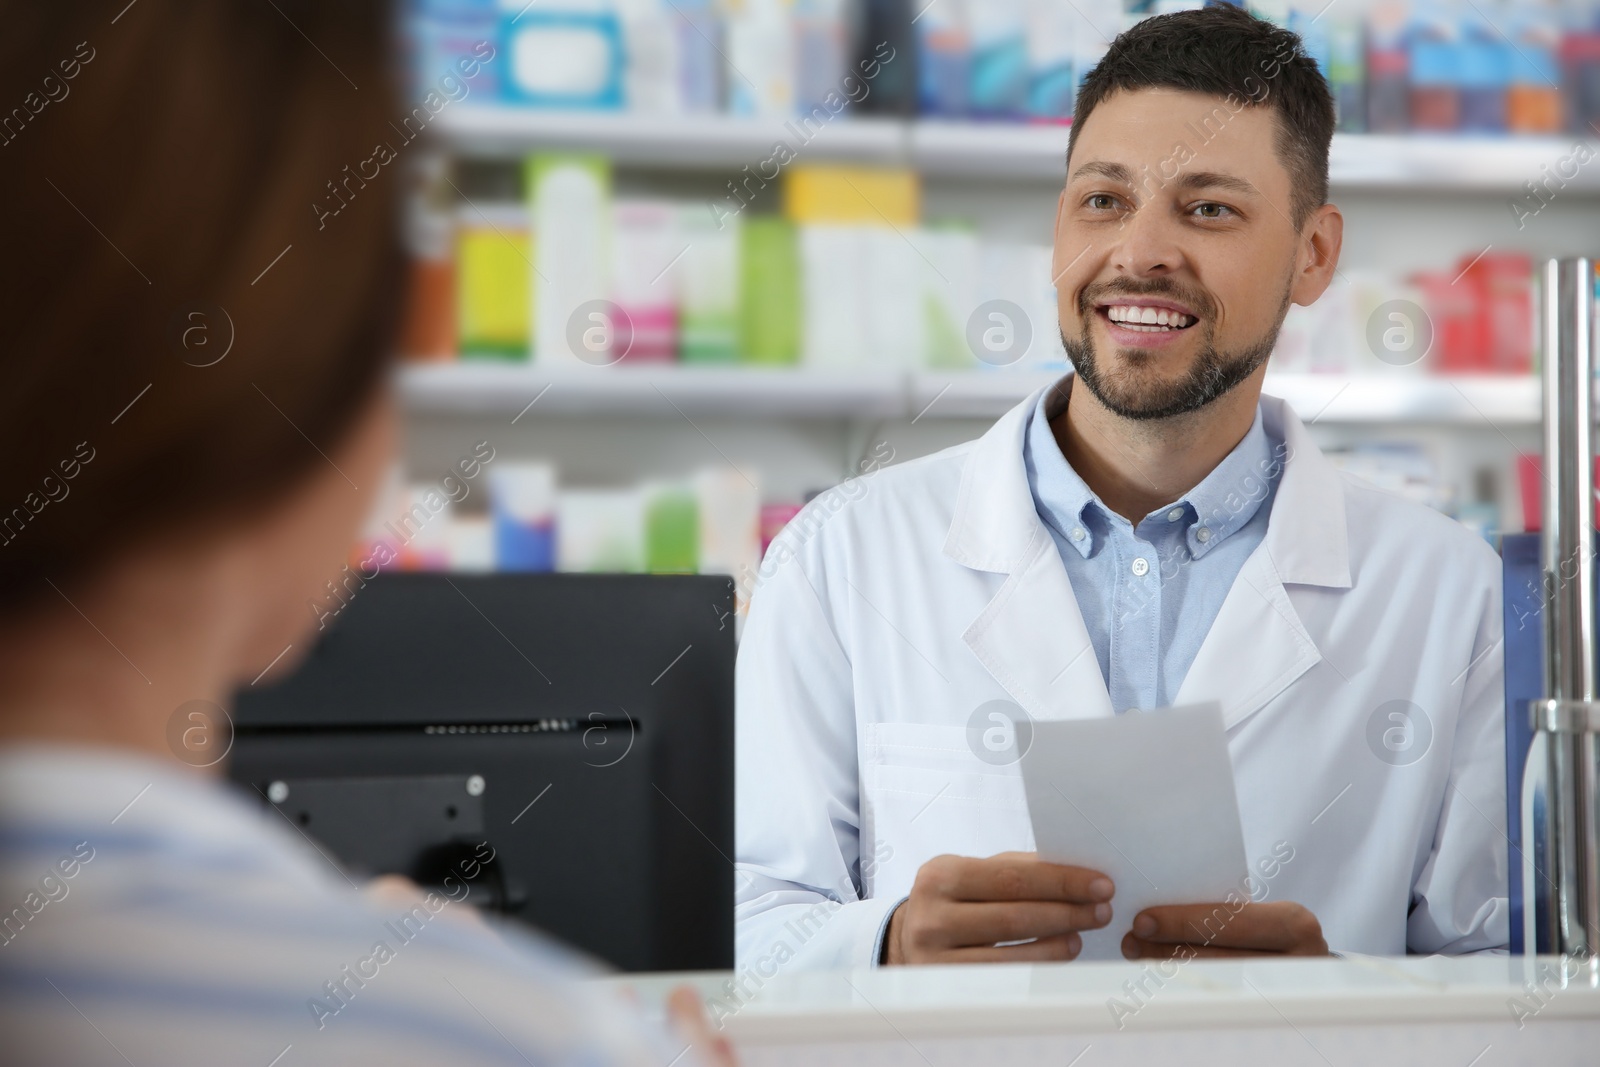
1146 243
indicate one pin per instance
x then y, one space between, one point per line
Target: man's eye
1213 211
1102 201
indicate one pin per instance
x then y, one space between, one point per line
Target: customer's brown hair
158 166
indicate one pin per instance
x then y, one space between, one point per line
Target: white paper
1145 797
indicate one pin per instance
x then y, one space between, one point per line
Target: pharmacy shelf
1476 400
1355 161
683 141
1466 401
990 150
528 391
1465 164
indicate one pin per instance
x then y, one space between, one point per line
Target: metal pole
1572 895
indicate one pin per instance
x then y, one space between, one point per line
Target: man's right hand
961 909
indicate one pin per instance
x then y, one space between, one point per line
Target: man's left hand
1189 931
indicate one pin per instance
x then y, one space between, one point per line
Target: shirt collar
1229 497
1224 501
1062 499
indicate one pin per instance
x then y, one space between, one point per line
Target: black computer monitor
578 728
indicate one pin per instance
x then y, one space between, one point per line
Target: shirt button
1140 567
1202 535
1077 533
1175 514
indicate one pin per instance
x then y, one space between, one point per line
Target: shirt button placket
1134 659
1148 664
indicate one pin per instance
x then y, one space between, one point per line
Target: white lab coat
896 604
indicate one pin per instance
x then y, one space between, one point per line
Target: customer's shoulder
185 916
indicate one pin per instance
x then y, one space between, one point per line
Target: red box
1530 479
1504 285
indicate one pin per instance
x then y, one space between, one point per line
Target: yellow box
873 195
494 296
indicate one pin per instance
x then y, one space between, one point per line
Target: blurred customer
193 422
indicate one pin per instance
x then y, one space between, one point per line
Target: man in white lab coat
1150 531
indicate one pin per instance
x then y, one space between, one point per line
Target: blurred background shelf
1467 401
1463 401
830 331
754 392
995 150
526 390
1464 164
695 142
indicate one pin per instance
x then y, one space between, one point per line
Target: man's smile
1144 322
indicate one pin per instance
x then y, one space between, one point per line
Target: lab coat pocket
925 793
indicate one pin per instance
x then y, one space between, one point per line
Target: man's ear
1317 260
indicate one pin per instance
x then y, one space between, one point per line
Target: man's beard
1212 375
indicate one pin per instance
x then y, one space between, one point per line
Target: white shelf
989 150
1335 399
1478 400
979 150
687 141
971 394
729 392
1468 164
763 392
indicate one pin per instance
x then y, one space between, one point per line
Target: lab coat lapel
1031 636
1257 646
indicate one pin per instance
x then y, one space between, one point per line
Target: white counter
1364 1011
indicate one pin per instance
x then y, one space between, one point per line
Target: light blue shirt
1149 593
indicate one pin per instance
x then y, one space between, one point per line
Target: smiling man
1149 531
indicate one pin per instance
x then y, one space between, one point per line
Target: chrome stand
1564 902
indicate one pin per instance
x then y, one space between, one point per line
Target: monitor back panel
577 727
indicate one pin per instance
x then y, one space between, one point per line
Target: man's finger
1279 926
1014 877
1197 924
1044 950
985 923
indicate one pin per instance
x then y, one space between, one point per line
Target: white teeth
1147 317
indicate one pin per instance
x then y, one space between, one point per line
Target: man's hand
961 909
1188 931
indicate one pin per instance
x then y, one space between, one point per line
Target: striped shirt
151 916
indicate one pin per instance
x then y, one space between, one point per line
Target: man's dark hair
1227 52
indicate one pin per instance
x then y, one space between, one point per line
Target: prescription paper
1145 797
